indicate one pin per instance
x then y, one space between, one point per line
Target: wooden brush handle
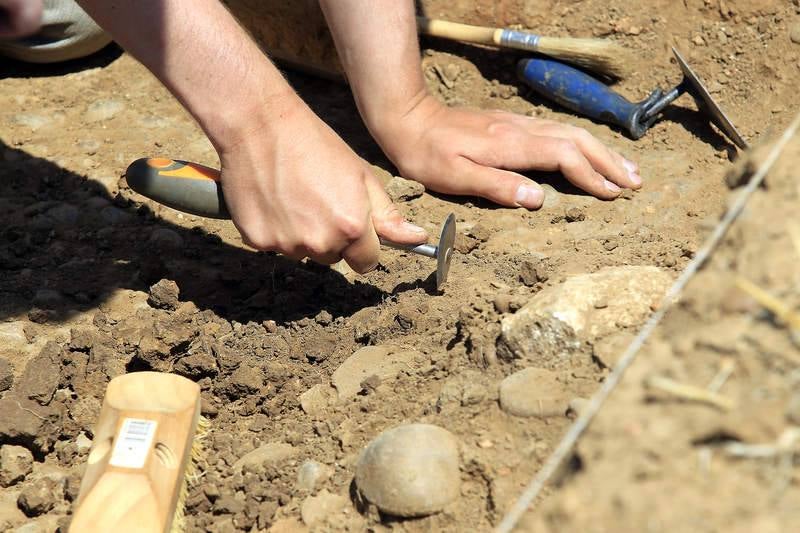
459 32
142 445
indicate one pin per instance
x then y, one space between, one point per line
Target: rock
401 189
6 375
40 496
40 378
533 392
793 409
410 470
165 238
197 365
575 214
29 424
316 400
227 504
608 350
317 509
264 455
502 303
31 120
12 337
244 381
83 443
103 110
164 295
10 515
48 299
794 33
383 361
16 462
43 524
585 307
312 474
577 406
64 215
114 216
532 272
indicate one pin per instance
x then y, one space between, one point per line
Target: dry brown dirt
80 252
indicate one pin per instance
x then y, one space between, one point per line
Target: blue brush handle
582 94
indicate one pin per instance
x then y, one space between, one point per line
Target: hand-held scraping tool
590 97
195 189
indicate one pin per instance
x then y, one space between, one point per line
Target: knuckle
350 227
502 129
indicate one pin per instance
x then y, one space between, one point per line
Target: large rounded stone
411 470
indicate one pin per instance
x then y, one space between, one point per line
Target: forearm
378 46
199 52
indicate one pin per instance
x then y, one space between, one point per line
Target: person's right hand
19 18
293 186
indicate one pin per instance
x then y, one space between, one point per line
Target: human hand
19 18
293 186
466 152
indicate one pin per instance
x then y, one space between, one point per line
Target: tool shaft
428 250
195 189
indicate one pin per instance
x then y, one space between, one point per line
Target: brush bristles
598 55
192 474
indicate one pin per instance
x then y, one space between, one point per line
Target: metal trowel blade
701 94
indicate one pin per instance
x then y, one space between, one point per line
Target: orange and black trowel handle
184 186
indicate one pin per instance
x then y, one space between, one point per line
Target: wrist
393 129
235 123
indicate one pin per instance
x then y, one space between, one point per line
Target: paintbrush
599 55
145 452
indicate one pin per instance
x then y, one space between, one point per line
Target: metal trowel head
703 98
444 250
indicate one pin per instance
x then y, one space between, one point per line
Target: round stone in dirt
410 470
533 392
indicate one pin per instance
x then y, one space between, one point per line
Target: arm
455 150
280 198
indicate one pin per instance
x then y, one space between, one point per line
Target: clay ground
80 251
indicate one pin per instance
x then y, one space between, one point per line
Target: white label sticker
133 443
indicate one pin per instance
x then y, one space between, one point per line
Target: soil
97 281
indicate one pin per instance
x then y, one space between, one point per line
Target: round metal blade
444 253
699 92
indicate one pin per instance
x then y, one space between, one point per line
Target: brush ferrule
521 40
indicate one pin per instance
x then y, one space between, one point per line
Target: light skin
292 185
19 18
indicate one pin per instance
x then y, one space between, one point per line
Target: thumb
386 218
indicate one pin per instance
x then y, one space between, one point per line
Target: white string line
582 422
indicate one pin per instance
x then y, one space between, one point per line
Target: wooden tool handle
142 446
459 32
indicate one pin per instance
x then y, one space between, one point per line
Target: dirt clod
40 496
164 295
16 462
6 375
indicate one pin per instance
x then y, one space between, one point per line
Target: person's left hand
466 152
19 18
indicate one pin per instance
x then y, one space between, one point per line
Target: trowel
196 189
592 98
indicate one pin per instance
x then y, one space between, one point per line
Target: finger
387 220
362 254
605 161
20 18
500 186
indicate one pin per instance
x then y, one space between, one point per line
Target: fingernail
529 196
612 186
635 178
630 166
413 228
